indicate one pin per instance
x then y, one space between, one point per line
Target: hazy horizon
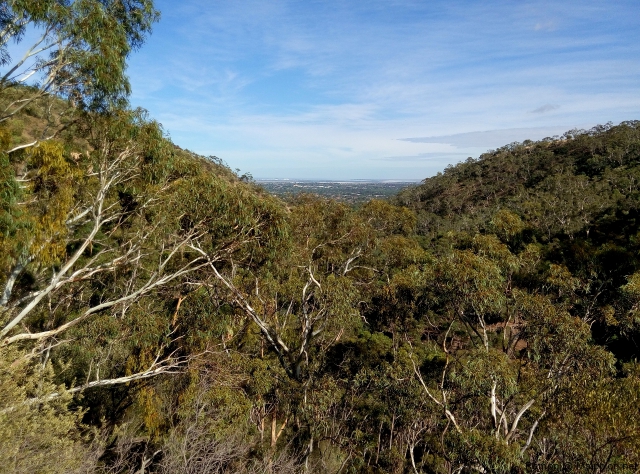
394 90
328 180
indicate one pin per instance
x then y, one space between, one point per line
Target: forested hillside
160 314
593 172
575 197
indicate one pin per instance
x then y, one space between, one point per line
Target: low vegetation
161 314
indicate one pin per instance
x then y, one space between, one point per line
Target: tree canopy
160 314
79 53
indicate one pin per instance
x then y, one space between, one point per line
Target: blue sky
389 89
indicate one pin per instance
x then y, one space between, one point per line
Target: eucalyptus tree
75 247
507 368
91 235
79 53
302 305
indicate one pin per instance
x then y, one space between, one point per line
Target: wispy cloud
544 108
442 156
548 25
491 138
283 85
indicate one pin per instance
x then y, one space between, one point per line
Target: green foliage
557 187
94 39
35 427
489 324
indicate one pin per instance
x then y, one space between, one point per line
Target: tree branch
517 418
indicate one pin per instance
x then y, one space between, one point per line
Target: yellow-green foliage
387 218
10 193
507 224
51 195
39 433
35 208
632 288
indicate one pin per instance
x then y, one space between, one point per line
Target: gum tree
79 53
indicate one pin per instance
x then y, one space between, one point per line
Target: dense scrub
161 314
576 198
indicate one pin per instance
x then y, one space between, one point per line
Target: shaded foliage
161 314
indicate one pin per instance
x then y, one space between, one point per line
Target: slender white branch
11 29
424 385
40 295
20 147
168 365
531 431
313 278
154 282
25 77
516 420
82 214
13 276
355 255
493 407
30 52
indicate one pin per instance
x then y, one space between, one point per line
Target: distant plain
351 191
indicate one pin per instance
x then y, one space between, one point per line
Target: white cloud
277 86
448 156
491 138
549 25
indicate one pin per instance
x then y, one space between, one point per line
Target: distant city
352 191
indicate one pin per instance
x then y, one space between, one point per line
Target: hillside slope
577 198
161 314
563 186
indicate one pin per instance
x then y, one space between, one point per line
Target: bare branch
517 418
354 256
167 365
531 431
13 276
424 385
30 52
493 406
99 219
